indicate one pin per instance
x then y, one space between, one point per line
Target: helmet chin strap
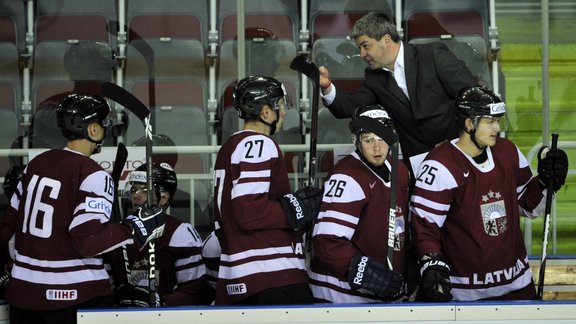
272 125
472 134
98 146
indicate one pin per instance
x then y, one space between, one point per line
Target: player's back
63 194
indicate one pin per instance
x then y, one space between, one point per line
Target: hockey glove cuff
374 277
435 274
302 207
146 226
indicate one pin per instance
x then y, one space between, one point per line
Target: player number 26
335 188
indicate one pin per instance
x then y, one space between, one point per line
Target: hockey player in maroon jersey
60 214
258 222
350 239
181 271
469 195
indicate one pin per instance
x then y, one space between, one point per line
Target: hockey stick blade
120 95
303 65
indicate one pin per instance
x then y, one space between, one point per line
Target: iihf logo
493 214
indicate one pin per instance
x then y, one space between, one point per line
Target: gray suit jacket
433 78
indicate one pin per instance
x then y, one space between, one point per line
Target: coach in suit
415 83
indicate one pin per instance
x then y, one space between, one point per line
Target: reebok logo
295 205
360 272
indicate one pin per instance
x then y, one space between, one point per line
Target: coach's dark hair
375 25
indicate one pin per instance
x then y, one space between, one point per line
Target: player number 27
33 209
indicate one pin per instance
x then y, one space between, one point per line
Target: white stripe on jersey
57 264
253 174
84 218
431 204
260 266
54 278
438 217
332 295
460 280
191 259
338 215
475 294
330 228
190 273
431 217
249 188
256 253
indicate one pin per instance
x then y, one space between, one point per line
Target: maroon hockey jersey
259 249
354 220
470 213
62 208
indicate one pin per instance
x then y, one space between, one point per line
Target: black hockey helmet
476 102
252 92
163 178
77 111
12 179
373 119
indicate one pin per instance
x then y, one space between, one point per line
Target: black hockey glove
552 164
374 277
302 207
435 274
131 296
146 226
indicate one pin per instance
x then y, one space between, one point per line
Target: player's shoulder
180 233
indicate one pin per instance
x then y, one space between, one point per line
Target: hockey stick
392 212
119 161
121 157
130 102
546 232
303 65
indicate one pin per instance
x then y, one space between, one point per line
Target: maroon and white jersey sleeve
470 213
63 213
354 220
259 249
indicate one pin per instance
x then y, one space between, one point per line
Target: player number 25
428 174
